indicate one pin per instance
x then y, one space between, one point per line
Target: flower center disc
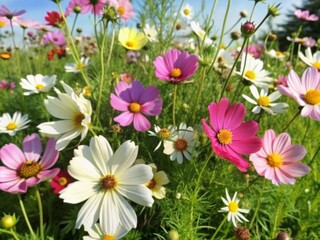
250 74
233 207
108 237
80 66
39 86
29 169
109 182
130 43
264 101
134 107
77 119
164 133
274 160
225 136
151 184
186 11
312 97
175 73
316 65
62 181
11 126
121 10
181 144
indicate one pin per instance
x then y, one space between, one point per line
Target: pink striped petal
293 153
267 140
48 174
281 142
16 186
32 147
234 116
124 119
149 94
309 78
245 130
246 146
141 123
50 155
152 108
8 175
136 91
12 156
295 169
118 104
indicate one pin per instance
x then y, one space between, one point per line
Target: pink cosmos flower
306 92
175 66
230 136
135 102
7 85
56 38
60 181
27 23
76 6
255 49
282 80
277 160
95 6
24 169
5 12
124 8
305 15
309 42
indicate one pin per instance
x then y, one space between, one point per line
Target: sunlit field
159 123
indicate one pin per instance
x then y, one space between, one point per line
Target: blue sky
36 10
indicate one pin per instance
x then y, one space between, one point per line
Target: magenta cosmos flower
135 102
306 92
175 66
305 15
230 136
61 181
5 12
24 169
56 38
277 160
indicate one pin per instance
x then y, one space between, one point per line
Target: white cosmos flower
233 210
75 114
253 71
77 67
106 231
151 32
310 59
34 84
13 124
182 28
186 11
224 60
162 134
181 144
155 185
276 54
265 102
195 26
105 179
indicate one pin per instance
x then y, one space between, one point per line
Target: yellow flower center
164 133
86 91
316 65
250 74
109 182
312 97
181 144
2 24
274 160
278 53
151 184
11 126
225 136
186 11
121 10
5 56
80 66
62 181
264 101
77 119
175 73
39 86
130 43
29 169
233 207
108 237
134 107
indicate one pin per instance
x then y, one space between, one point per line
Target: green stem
9 232
294 117
14 234
218 229
38 196
233 26
74 23
314 156
199 91
252 11
258 204
202 171
26 216
175 90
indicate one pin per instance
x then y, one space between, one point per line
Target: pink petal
309 78
315 113
152 108
246 146
171 57
209 131
16 186
283 177
136 91
149 94
124 119
267 141
161 71
307 110
118 104
8 175
32 181
245 130
121 87
234 116
281 142
296 169
50 155
32 147
293 153
294 83
48 174
12 156
141 123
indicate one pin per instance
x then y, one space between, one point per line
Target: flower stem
38 196
11 232
175 90
74 23
258 204
294 117
218 229
26 217
14 234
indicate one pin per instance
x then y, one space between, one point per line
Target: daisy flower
306 92
224 60
24 169
265 102
151 32
13 124
131 39
233 210
186 11
35 84
75 114
162 134
278 159
109 231
77 67
310 59
276 54
105 179
60 181
181 144
230 136
155 185
135 102
182 28
175 66
253 71
203 36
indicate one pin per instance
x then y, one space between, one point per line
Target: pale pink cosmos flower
56 38
305 15
95 6
27 23
175 66
278 159
135 102
5 12
25 168
124 8
305 91
76 6
230 136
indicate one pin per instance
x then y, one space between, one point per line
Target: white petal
78 191
137 174
139 194
101 153
124 157
82 169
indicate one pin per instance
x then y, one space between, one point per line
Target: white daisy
151 32
186 11
77 67
75 112
253 71
182 28
224 60
310 59
232 207
276 54
106 232
13 124
162 134
34 84
265 102
181 144
104 179
156 183
195 26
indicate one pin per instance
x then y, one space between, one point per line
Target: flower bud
272 37
283 236
273 10
242 233
110 14
243 13
248 29
79 30
173 235
235 35
77 9
8 221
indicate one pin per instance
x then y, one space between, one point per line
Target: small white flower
265 102
195 26
108 231
224 60
13 124
162 134
151 32
253 71
77 67
155 185
35 84
233 210
310 59
182 28
181 144
276 54
186 11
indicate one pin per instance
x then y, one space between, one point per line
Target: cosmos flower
310 59
230 136
131 39
276 54
224 60
278 159
108 231
162 134
12 125
186 11
35 84
56 38
305 91
155 185
24 169
54 19
203 36
175 66
151 32
105 179
305 15
76 6
124 8
77 67
5 12
60 181
94 6
135 102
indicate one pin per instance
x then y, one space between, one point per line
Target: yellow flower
131 39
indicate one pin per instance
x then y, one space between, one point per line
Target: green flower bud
8 221
173 235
